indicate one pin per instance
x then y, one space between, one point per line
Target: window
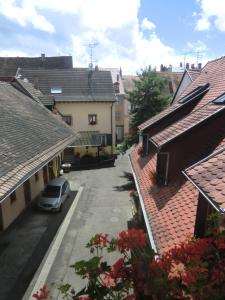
12 197
117 114
56 90
196 93
36 176
103 139
92 119
220 99
67 119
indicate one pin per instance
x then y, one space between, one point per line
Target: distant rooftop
9 65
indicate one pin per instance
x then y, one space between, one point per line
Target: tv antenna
91 47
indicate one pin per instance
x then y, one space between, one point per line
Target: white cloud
146 24
24 14
212 12
122 39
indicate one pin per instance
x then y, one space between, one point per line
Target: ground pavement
103 206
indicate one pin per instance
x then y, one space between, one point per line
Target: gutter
149 230
218 209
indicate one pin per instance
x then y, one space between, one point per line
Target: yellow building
32 142
85 99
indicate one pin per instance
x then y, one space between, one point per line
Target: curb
50 256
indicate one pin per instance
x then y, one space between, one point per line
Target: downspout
112 127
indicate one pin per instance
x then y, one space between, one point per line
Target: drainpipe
112 127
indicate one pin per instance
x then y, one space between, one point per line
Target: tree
147 98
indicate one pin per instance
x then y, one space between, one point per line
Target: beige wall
80 111
11 210
36 186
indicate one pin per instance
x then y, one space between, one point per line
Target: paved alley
104 206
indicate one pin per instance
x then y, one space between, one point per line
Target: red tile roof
193 119
171 209
213 73
208 175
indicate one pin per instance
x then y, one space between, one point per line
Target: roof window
196 93
220 99
56 90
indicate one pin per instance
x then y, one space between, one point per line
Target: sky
130 34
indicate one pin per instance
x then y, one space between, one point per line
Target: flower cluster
131 239
194 269
41 294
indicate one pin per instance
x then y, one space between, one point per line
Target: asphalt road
23 246
104 206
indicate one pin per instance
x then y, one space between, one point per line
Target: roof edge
191 128
39 167
217 208
149 230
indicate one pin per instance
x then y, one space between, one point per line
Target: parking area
23 245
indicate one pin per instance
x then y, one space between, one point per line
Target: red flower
118 269
42 294
108 280
101 240
130 239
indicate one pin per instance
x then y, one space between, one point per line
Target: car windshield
51 191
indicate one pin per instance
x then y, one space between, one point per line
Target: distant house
172 141
85 98
9 66
32 143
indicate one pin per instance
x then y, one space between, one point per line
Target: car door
63 194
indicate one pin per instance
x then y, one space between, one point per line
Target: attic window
197 92
220 99
56 90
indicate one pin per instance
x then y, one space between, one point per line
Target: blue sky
128 33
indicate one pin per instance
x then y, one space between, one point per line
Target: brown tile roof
171 210
209 177
30 136
193 119
214 74
166 112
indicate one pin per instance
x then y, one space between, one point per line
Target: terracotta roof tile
194 118
209 176
214 74
171 209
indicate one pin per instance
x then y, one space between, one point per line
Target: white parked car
54 194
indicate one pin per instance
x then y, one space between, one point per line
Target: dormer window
56 90
196 93
220 99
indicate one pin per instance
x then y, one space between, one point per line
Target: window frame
92 119
65 119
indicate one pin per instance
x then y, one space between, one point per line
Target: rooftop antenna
91 47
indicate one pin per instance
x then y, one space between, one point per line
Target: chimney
42 56
187 66
199 66
181 64
121 72
192 66
161 68
96 68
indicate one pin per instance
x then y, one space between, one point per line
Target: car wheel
59 209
